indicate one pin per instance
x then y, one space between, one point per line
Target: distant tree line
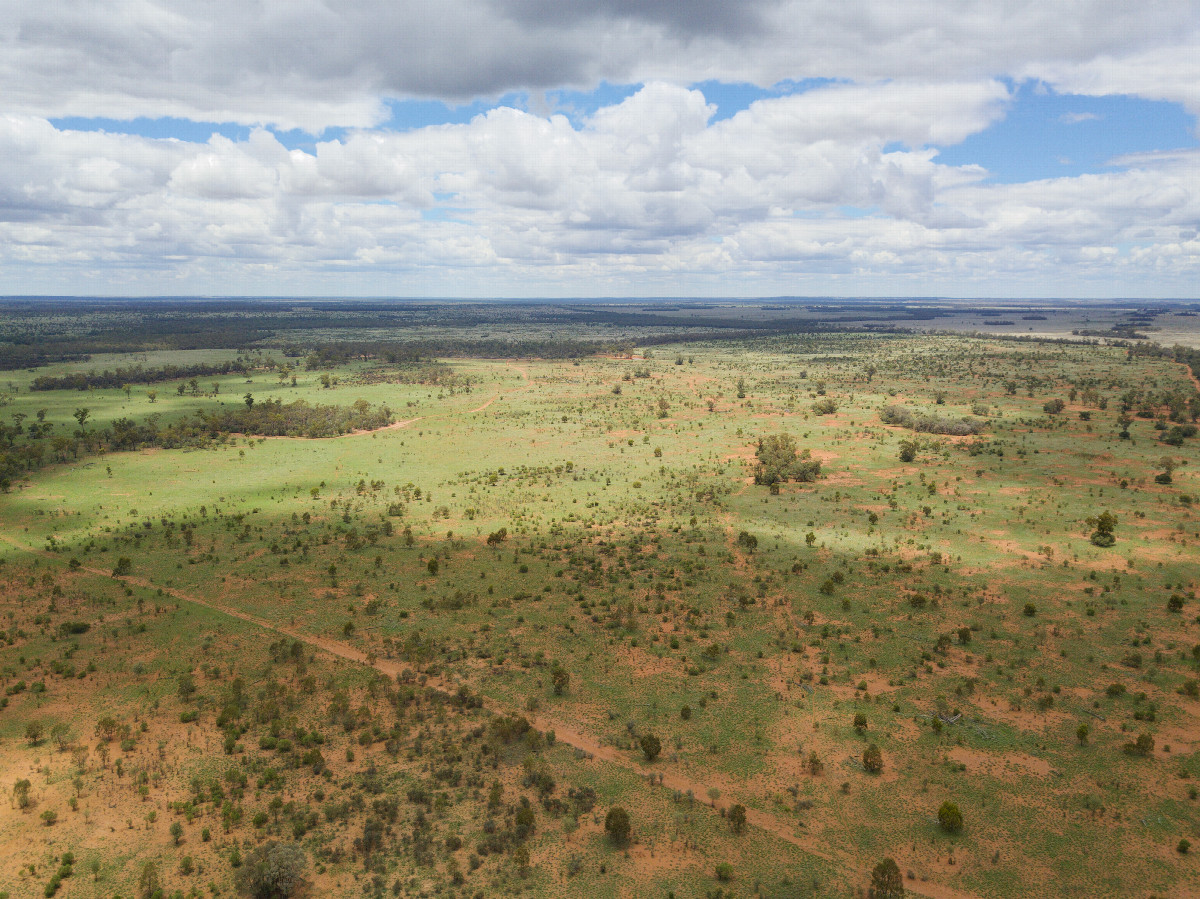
271 418
335 353
139 374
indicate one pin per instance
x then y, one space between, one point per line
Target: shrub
949 817
1142 746
724 872
651 747
617 825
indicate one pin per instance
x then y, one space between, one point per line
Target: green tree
273 870
176 832
148 883
1081 734
872 759
81 415
248 399
561 679
1142 746
908 449
33 732
949 817
187 686
21 793
886 882
779 460
617 825
651 747
737 818
62 735
1104 523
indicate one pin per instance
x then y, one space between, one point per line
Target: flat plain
782 587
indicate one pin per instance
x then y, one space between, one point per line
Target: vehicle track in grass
660 772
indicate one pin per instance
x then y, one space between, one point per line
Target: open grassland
341 642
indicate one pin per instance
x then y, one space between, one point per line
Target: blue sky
1042 134
629 147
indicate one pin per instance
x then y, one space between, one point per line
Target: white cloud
311 64
648 194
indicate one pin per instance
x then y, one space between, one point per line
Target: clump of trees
273 870
139 374
931 424
273 418
779 460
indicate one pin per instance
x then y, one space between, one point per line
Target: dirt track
564 732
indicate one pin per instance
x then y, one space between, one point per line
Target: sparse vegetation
465 652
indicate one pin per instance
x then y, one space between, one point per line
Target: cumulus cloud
838 182
313 63
652 193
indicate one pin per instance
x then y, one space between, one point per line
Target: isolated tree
187 686
1104 523
248 399
872 759
176 832
651 747
949 817
62 735
81 416
886 882
617 825
33 732
148 883
561 679
737 818
21 793
1081 734
908 449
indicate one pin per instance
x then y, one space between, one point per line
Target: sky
543 148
